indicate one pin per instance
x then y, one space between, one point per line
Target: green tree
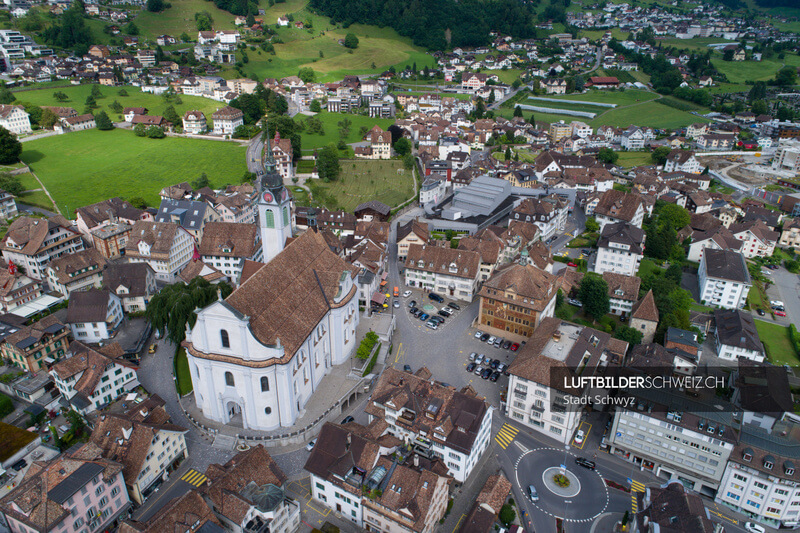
10 147
251 20
103 122
72 33
171 115
659 155
90 102
204 21
60 96
307 74
507 514
140 130
11 183
593 294
201 182
154 132
96 93
328 163
607 155
592 225
315 106
6 96
759 107
516 83
116 107
172 308
130 29
138 202
185 37
251 105
674 215
123 92
154 6
628 334
6 406
727 55
786 76
350 41
402 147
517 111
508 153
48 119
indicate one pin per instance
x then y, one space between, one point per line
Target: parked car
471 367
495 376
397 303
491 339
752 527
486 374
515 347
310 445
406 294
571 264
761 312
498 342
435 297
532 494
485 337
502 367
412 303
506 345
431 324
407 368
472 356
576 303
478 334
437 319
454 305
495 364
780 313
580 436
478 370
19 465
348 419
479 358
424 316
586 463
153 348
444 313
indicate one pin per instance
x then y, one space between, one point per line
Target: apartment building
76 272
620 249
36 346
94 315
17 289
548 213
736 336
758 239
32 243
133 283
165 246
227 245
446 271
724 279
623 292
619 206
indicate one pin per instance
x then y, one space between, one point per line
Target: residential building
672 508
644 317
791 233
545 404
787 157
516 299
548 213
719 238
111 240
682 161
758 239
191 215
77 491
144 442
489 245
555 86
165 246
380 143
187 511
716 142
485 510
437 420
736 336
194 122
412 232
133 283
256 337
76 272
623 292
618 206
473 80
92 378
15 119
94 315
724 279
443 270
620 249
283 155
17 289
693 131
559 130
683 340
35 346
78 123
108 212
227 245
226 120
32 243
8 206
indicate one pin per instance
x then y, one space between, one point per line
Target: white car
754 528
580 436
310 445
491 340
397 303
406 294
478 334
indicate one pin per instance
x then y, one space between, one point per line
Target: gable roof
95 214
159 235
29 234
645 309
229 239
88 306
735 328
132 276
725 264
619 205
76 266
516 283
437 259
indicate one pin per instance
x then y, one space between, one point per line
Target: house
719 238
620 249
227 245
439 420
485 510
555 86
99 51
17 289
191 215
559 130
697 130
516 299
557 347
632 139
110 240
261 316
189 510
683 340
372 210
101 214
716 142
758 239
443 270
644 317
412 232
32 243
92 378
94 315
473 81
226 120
151 120
8 206
673 508
682 161
724 279
623 292
705 81
133 283
76 272
283 155
602 82
35 346
736 336
129 112
618 206
144 442
78 487
380 143
791 233
165 246
194 122
489 245
78 123
15 119
549 214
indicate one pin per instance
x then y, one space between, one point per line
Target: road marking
506 435
585 437
637 486
399 350
463 516
521 446
194 478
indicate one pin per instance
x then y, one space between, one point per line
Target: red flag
12 268
195 254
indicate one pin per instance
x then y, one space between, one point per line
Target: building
36 346
191 215
644 317
736 336
76 272
8 206
94 315
682 161
257 339
274 207
758 239
548 213
283 155
412 232
90 379
194 122
516 299
555 86
542 403
672 508
165 246
618 206
446 271
489 245
32 243
484 512
227 245
437 420
15 119
724 279
559 130
623 292
129 112
111 240
107 213
620 249
372 210
144 442
791 234
787 157
79 490
603 82
17 289
78 123
380 143
184 512
719 238
133 283
226 120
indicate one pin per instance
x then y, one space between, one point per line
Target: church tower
274 210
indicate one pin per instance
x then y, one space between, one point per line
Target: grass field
537 115
183 378
180 18
621 98
646 114
777 343
647 266
331 129
12 439
103 164
742 71
364 180
633 159
698 43
136 98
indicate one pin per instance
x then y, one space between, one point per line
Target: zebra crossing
506 435
194 478
636 488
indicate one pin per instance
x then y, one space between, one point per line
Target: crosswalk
506 435
193 477
636 488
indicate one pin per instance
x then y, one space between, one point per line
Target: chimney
349 440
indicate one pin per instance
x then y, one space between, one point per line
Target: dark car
586 463
348 419
435 297
495 376
761 312
507 345
444 313
412 303
19 465
486 373
495 364
407 368
437 319
485 337
424 316
453 305
471 367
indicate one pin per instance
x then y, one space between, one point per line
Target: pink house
80 491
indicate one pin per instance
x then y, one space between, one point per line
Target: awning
378 298
384 276
36 306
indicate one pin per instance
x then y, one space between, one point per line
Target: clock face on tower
267 197
284 194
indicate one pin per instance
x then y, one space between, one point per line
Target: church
258 356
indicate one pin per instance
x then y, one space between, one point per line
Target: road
254 152
788 287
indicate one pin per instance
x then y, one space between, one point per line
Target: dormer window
747 457
768 465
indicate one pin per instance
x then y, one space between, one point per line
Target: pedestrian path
506 435
636 488
194 478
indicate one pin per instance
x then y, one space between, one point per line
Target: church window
268 410
285 216
229 379
269 219
264 384
226 343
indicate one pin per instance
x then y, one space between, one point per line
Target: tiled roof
675 510
88 362
494 492
627 285
88 306
227 113
31 233
622 233
73 267
229 239
437 259
725 264
188 512
618 205
736 328
159 235
523 286
197 268
132 276
27 336
98 213
645 309
420 229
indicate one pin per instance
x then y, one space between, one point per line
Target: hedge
368 368
365 348
6 406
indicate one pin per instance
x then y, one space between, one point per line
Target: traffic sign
563 467
619 434
630 481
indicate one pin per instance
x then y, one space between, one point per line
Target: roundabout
559 488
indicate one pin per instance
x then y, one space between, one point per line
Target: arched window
229 379
226 343
269 219
265 384
285 216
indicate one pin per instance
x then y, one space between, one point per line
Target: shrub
367 344
507 514
6 406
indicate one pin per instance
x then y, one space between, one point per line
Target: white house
133 283
618 206
620 249
94 315
165 246
682 161
724 279
32 243
226 120
446 271
194 122
15 119
736 336
758 240
716 239
227 245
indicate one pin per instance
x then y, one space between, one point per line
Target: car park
478 370
532 494
479 358
454 305
498 342
495 376
586 463
435 297
424 316
431 324
506 345
471 367
444 313
514 347
406 294
348 419
472 356
437 319
495 364
407 368
478 334
412 303
487 372
310 445
485 337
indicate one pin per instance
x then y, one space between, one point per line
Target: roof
90 363
420 229
763 388
374 205
622 287
188 512
227 113
12 284
131 276
618 205
190 214
6 110
29 234
88 306
159 235
680 157
523 286
725 264
229 239
438 260
622 233
487 243
197 268
494 492
735 328
76 266
757 228
26 336
675 510
248 269
645 309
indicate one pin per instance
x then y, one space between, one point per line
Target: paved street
786 288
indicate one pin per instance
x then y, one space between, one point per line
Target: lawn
136 98
777 343
183 378
648 266
300 195
649 114
103 164
13 439
538 115
742 71
331 129
695 44
633 159
363 180
626 97
180 18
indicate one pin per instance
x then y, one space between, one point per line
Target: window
265 384
269 219
285 216
229 379
268 410
226 343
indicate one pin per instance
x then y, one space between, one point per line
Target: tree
315 106
154 6
607 155
251 105
204 21
307 74
491 98
727 55
6 96
103 122
11 183
516 83
659 155
580 83
154 132
123 92
171 115
48 119
757 92
759 107
402 147
517 111
628 334
328 163
593 294
508 153
172 308
201 182
138 202
350 41
130 29
251 20
786 76
96 93
90 102
10 147
60 96
140 130
116 107
185 37
72 33
507 514
674 215
592 225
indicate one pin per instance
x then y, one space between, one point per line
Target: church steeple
271 179
274 207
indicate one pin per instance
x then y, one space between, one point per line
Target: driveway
787 286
